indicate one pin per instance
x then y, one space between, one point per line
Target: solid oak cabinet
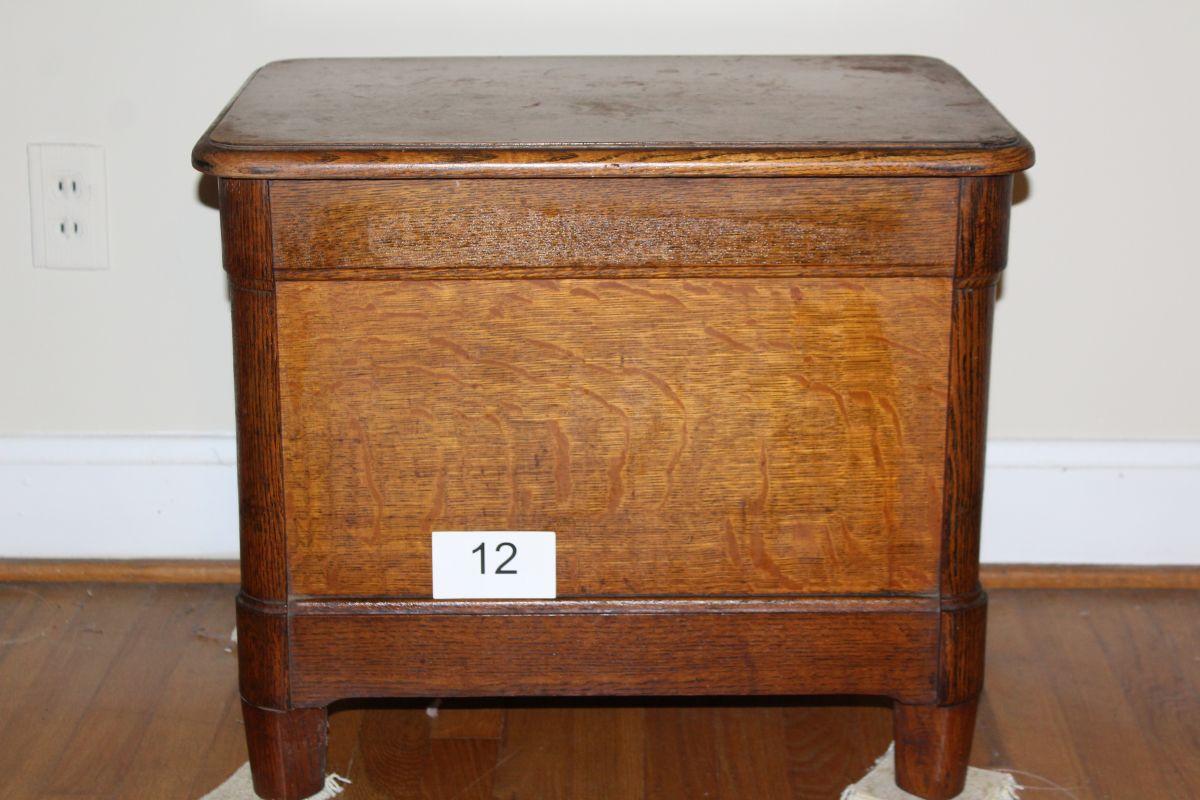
720 324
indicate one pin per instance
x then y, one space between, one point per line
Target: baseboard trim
1088 576
92 570
994 576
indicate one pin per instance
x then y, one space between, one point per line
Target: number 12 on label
493 565
500 570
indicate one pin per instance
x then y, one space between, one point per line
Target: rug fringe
880 783
240 786
852 788
334 785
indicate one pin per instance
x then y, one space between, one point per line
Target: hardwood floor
128 691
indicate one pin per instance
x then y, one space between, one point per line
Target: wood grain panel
872 226
455 655
682 437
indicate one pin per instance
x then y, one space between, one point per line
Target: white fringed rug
880 784
240 787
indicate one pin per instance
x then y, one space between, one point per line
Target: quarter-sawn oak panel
683 437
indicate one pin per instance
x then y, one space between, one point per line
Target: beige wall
1095 334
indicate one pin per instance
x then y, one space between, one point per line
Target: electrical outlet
68 206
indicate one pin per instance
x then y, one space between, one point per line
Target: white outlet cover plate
68 206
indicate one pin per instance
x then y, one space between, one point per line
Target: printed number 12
500 570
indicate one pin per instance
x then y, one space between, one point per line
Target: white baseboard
1066 502
118 497
1091 502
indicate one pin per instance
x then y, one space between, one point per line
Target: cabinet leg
287 751
933 744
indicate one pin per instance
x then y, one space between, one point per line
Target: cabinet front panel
682 437
862 225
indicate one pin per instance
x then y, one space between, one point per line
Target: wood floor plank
535 755
32 621
988 748
1176 619
460 769
116 720
473 721
1161 676
722 752
343 756
163 766
1023 727
571 752
225 751
393 751
386 751
1100 722
831 744
608 749
23 616
43 719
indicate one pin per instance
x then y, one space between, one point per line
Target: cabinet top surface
564 116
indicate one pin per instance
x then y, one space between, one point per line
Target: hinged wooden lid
587 116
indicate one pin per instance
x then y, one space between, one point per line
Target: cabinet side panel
706 437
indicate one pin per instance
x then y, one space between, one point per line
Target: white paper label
490 565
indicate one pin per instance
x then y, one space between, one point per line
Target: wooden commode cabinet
721 325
